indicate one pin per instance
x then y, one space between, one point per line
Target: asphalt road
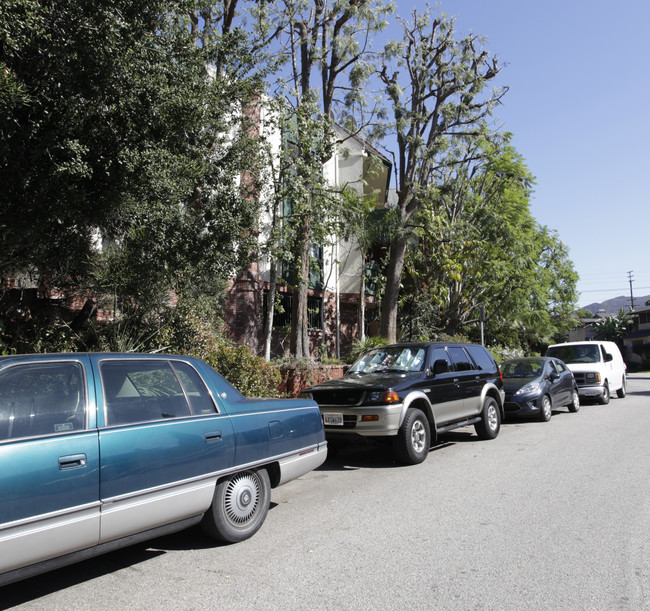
547 516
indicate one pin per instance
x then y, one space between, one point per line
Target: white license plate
332 419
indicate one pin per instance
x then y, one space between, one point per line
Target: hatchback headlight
529 389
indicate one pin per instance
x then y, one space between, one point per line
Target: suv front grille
344 398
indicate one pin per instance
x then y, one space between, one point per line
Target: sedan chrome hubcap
242 497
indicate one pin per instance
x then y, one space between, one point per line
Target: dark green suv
409 391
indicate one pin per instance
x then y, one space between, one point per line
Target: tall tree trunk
270 310
362 299
390 300
299 343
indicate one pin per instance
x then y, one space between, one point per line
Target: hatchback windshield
391 358
529 368
580 353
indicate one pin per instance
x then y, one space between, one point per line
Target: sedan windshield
391 358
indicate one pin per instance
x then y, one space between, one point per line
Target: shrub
249 374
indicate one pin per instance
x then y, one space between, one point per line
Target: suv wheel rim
492 419
418 435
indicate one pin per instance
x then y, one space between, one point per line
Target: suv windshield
393 358
581 353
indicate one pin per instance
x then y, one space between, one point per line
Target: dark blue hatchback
535 386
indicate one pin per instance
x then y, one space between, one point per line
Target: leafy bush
249 374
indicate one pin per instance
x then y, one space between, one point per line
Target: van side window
141 391
42 399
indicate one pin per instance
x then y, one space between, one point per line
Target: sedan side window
141 391
41 399
197 393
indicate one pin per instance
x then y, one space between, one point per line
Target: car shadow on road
29 590
371 454
32 589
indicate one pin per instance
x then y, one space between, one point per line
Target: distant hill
612 306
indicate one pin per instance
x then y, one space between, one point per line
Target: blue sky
579 109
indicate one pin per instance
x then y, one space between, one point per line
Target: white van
597 366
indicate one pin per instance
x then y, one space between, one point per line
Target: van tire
622 391
604 398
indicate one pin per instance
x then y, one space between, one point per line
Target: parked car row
411 393
100 450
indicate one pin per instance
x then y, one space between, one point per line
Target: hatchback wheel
546 409
574 406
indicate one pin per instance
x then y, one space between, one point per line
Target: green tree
435 86
120 161
325 45
480 250
614 328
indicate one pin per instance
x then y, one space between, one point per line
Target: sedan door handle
74 461
213 436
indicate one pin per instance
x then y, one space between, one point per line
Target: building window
282 315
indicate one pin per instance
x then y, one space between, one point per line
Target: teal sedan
101 450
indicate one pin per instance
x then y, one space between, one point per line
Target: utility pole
630 278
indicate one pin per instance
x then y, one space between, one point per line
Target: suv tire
490 424
413 438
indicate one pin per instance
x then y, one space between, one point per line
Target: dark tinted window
460 359
482 358
440 354
141 391
41 399
196 391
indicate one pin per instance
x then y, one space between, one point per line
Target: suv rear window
482 358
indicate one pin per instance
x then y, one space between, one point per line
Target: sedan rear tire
239 508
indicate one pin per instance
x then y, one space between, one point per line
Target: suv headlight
382 396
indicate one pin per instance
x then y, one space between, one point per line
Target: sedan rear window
147 390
